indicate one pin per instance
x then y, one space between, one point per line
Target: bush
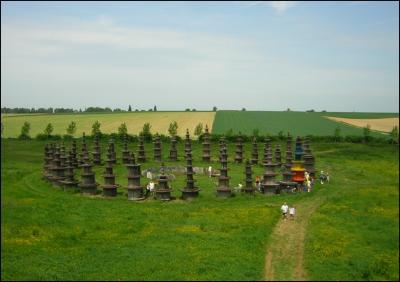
146 132
96 128
44 137
25 131
173 128
71 129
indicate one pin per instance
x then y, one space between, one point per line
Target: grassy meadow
50 234
297 123
109 122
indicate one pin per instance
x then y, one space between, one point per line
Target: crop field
110 122
50 234
297 123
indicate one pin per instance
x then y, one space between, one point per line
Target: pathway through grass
284 257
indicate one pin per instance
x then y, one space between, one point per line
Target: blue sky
334 56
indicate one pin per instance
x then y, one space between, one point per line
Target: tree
367 133
256 131
48 130
155 108
394 134
122 129
288 109
214 109
146 131
187 110
336 134
173 128
199 129
71 129
129 108
25 131
96 128
243 109
193 110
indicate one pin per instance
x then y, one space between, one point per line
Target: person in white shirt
209 171
284 210
148 175
292 212
150 187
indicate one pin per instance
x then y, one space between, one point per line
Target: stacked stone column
173 153
254 152
309 160
141 152
239 150
223 189
298 167
88 183
48 157
111 154
125 151
190 191
97 151
206 146
135 190
69 181
249 189
157 149
269 185
74 161
163 192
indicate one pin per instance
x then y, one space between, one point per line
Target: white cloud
282 6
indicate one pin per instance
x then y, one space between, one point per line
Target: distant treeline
6 110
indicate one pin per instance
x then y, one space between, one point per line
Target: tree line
229 135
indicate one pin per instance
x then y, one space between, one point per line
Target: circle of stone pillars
190 191
97 152
135 190
141 153
125 151
69 181
297 167
173 153
269 186
157 149
109 187
239 150
88 184
162 191
206 146
223 189
254 152
249 189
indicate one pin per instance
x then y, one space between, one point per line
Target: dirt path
284 256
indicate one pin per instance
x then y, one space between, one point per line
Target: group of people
285 209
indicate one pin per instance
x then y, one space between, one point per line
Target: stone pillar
190 191
269 186
298 167
223 189
109 187
75 162
206 146
88 183
173 153
141 152
163 192
249 189
111 155
278 156
254 153
48 157
135 190
69 181
125 151
239 150
188 143
157 149
309 160
97 151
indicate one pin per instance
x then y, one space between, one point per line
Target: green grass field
49 234
110 122
297 123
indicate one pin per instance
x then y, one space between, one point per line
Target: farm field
297 123
109 122
380 124
50 234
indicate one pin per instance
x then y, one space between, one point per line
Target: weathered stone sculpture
223 189
69 181
84 152
269 185
163 192
97 151
254 152
249 189
297 167
188 143
141 152
309 160
278 156
157 148
206 146
125 151
58 167
239 150
135 190
111 154
190 191
173 153
109 187
75 162
88 183
48 157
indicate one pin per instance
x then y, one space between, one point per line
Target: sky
333 56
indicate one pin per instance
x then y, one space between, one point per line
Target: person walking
292 212
284 210
209 171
